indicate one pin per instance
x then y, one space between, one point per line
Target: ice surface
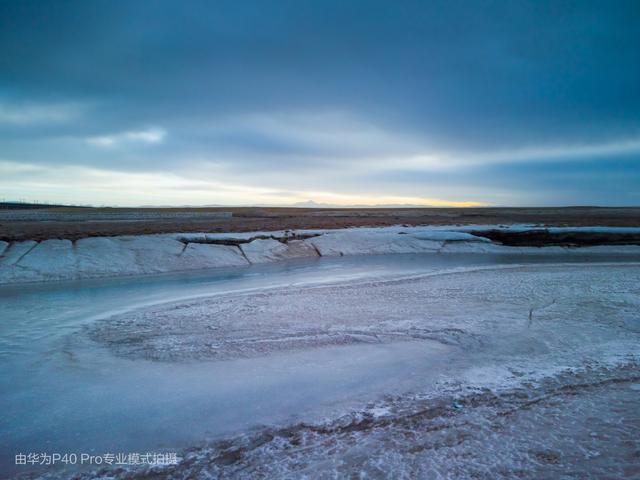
512 311
446 236
468 371
572 426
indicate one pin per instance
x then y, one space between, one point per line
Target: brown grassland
246 219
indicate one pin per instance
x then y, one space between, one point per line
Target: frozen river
331 356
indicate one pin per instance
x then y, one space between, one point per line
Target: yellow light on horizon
346 200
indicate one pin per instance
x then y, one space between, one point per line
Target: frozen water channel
391 365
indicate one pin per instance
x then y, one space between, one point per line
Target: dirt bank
260 219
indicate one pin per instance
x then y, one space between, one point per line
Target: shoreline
117 256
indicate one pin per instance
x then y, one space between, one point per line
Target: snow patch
357 242
447 236
154 254
147 254
105 256
10 272
50 258
201 255
15 252
270 250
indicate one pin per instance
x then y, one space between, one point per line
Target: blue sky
277 102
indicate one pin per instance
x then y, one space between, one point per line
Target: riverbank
93 257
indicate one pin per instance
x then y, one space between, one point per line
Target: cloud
63 184
540 153
426 100
29 114
150 136
496 75
584 150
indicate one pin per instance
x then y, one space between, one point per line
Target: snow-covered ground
61 259
387 366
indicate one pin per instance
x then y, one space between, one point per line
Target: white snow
32 261
105 255
15 251
199 255
264 250
472 247
362 242
155 253
10 272
270 250
301 248
447 236
49 259
147 254
477 247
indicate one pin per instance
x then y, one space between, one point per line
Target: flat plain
77 222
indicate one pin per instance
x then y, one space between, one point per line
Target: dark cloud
592 181
445 76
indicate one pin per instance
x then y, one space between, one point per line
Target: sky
444 103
